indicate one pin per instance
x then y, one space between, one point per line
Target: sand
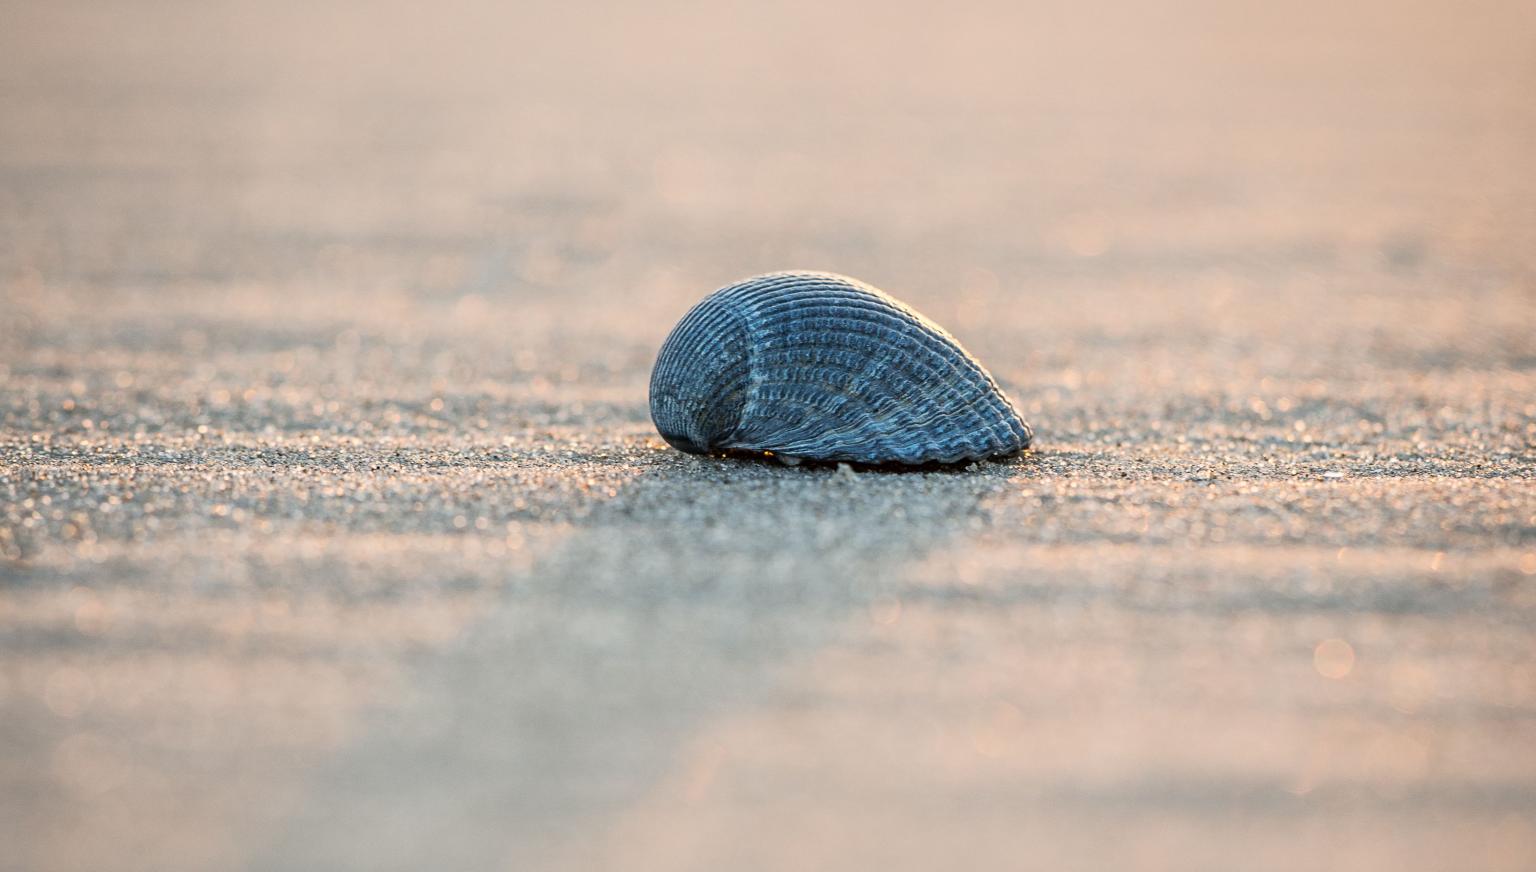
334 532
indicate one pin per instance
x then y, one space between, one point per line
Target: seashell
818 366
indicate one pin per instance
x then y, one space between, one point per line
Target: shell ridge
826 367
695 422
960 387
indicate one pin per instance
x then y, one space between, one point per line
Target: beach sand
334 533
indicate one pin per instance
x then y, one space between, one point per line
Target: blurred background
335 534
614 151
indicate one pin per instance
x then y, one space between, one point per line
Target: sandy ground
334 534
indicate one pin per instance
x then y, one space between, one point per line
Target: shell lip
683 443
957 464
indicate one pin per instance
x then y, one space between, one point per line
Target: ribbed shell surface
823 367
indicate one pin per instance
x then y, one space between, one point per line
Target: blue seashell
819 366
